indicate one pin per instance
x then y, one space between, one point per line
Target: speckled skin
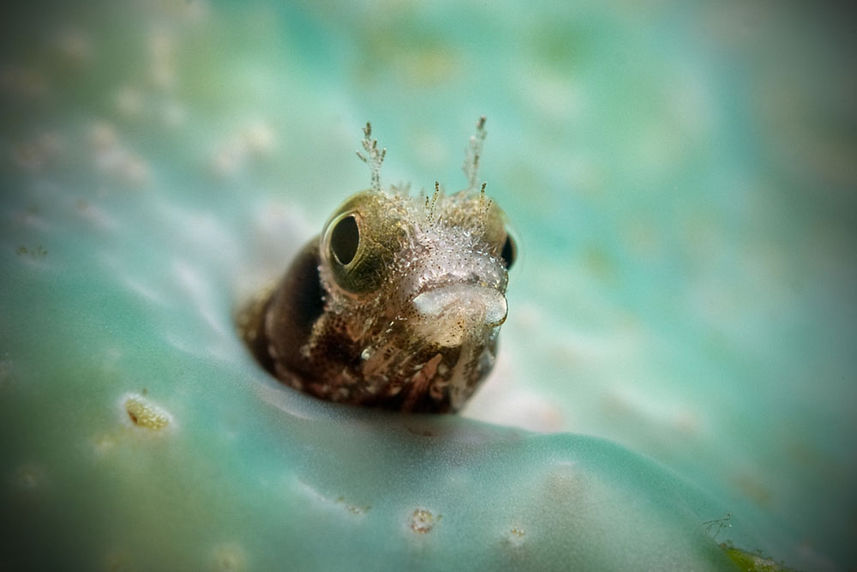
353 333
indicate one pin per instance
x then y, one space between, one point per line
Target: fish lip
435 300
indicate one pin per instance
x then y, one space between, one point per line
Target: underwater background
678 367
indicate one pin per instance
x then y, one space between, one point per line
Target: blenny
398 303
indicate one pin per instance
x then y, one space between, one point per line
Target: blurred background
681 178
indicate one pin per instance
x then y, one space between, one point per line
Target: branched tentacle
373 157
474 153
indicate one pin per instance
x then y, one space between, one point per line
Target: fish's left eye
509 251
344 239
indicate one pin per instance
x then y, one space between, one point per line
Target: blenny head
398 302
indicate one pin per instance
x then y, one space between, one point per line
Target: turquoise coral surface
677 369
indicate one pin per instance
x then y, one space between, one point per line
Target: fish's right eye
344 239
509 252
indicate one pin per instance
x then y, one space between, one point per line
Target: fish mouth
450 314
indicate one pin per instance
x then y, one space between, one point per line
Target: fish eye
509 251
344 239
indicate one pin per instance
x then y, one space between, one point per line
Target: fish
398 303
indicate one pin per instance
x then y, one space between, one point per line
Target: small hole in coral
145 414
422 521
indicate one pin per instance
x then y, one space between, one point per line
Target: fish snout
448 315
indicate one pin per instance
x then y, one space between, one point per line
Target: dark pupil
508 252
344 240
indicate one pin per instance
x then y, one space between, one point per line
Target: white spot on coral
256 139
97 216
259 138
74 45
552 95
226 161
134 170
128 101
103 443
161 45
173 114
230 557
111 157
26 83
162 68
36 153
102 135
197 10
28 477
